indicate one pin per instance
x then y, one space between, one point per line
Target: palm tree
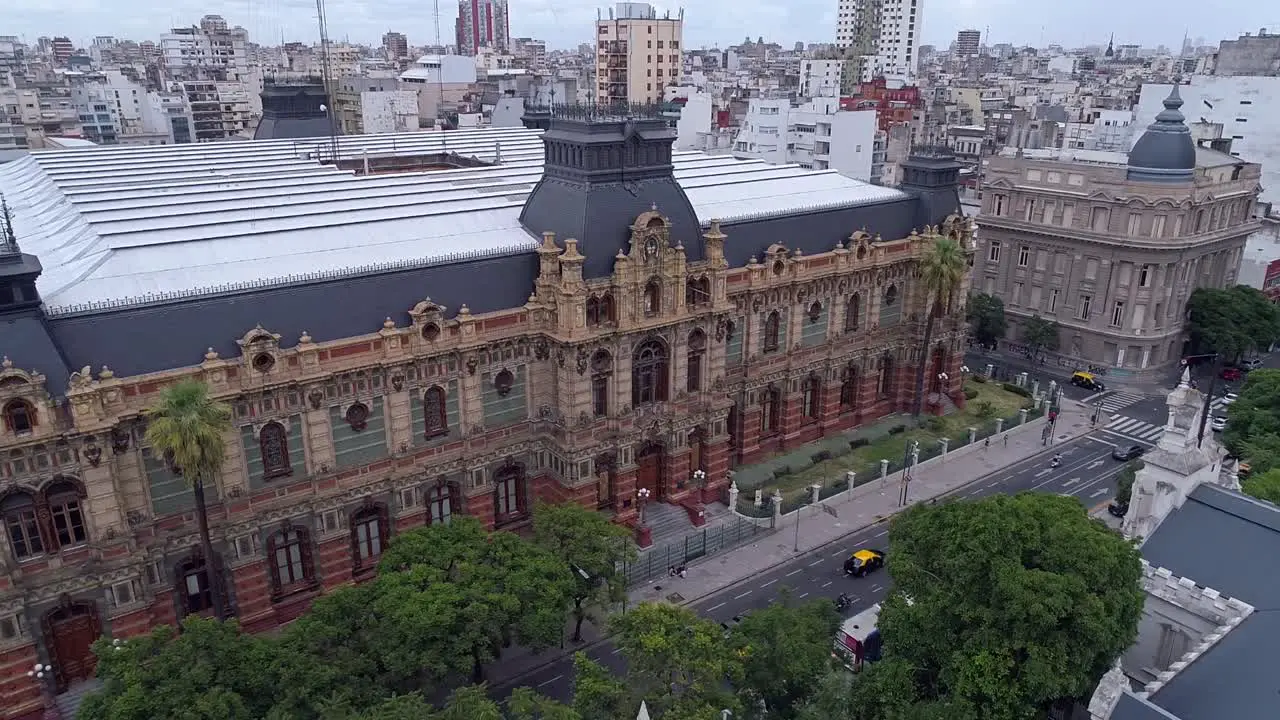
188 429
942 271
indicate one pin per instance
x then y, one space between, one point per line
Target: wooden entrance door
649 474
72 630
935 370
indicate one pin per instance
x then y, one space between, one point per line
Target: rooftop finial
8 237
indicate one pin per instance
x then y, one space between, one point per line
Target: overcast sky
565 23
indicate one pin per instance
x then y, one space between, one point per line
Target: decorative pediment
260 349
16 381
1100 195
650 236
427 318
1001 183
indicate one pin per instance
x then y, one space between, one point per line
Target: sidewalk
1013 363
857 508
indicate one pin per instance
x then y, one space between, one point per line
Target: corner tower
1165 153
604 166
25 339
932 174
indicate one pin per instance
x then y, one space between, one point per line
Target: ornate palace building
566 312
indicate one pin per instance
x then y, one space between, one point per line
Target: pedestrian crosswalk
1137 429
1119 400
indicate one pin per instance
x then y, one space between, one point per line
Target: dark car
1133 452
864 561
1118 508
732 623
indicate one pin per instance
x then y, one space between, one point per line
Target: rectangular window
1024 256
1029 209
993 251
1068 214
1101 219
1135 224
1017 293
1086 307
1157 226
1091 269
11 628
1035 297
1053 300
1117 313
999 204
1144 276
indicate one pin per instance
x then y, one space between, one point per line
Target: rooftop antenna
441 117
328 80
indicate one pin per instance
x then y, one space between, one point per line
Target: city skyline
564 24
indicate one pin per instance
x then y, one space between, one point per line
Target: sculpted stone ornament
397 382
81 380
583 359
119 441
93 454
316 398
472 363
542 350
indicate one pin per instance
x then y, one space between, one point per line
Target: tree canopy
1124 481
1231 321
1264 487
1015 603
942 272
986 318
1253 421
783 648
1040 334
592 550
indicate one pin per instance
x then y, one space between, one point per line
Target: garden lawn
991 402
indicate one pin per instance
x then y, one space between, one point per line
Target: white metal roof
116 223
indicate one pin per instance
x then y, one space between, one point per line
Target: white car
1229 398
1218 423
1251 363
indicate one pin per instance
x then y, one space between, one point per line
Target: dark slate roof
25 339
291 128
818 232
1229 542
1236 679
1223 540
1165 152
1131 707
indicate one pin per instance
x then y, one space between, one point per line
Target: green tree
597 693
467 593
1231 321
525 704
1124 481
782 649
593 551
986 318
209 671
1264 487
942 271
465 703
1040 335
188 429
1027 601
1253 420
677 662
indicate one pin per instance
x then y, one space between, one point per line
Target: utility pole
908 455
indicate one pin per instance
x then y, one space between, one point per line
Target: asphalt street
1087 472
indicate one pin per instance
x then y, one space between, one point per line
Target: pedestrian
1006 439
986 443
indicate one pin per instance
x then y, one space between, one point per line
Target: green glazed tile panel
509 410
352 448
169 493
733 348
814 332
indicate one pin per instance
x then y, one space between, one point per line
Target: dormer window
19 417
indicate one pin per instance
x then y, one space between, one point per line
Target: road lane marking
827 584
993 485
739 597
616 651
1098 492
769 583
819 561
838 553
794 572
882 533
548 682
1044 472
1096 463
875 588
1072 481
804 595
715 608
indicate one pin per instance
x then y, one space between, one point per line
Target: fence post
973 435
1022 416
999 426
944 443
852 477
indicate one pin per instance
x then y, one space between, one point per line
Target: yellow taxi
1087 380
863 561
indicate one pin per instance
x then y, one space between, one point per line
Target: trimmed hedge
1017 390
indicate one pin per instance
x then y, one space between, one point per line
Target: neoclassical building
1111 245
571 312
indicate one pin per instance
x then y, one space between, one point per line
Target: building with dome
1110 245
435 324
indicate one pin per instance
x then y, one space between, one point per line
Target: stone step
69 702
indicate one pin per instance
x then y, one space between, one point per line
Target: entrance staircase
667 522
69 702
948 406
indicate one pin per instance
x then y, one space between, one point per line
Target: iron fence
657 560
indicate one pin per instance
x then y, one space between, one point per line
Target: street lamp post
912 448
43 675
645 534
700 482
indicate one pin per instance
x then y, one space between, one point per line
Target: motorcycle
843 602
1056 461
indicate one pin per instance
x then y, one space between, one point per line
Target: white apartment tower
878 38
637 54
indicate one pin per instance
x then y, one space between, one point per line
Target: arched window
601 369
22 525
599 309
772 329
435 416
273 441
290 562
696 437
369 527
19 417
440 504
649 373
853 312
508 494
697 353
653 297
884 382
697 292
770 411
811 398
849 388
66 514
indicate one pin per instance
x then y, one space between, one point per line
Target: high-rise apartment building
208 52
637 54
968 42
62 50
481 24
878 38
396 45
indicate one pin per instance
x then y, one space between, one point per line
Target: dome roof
1165 152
